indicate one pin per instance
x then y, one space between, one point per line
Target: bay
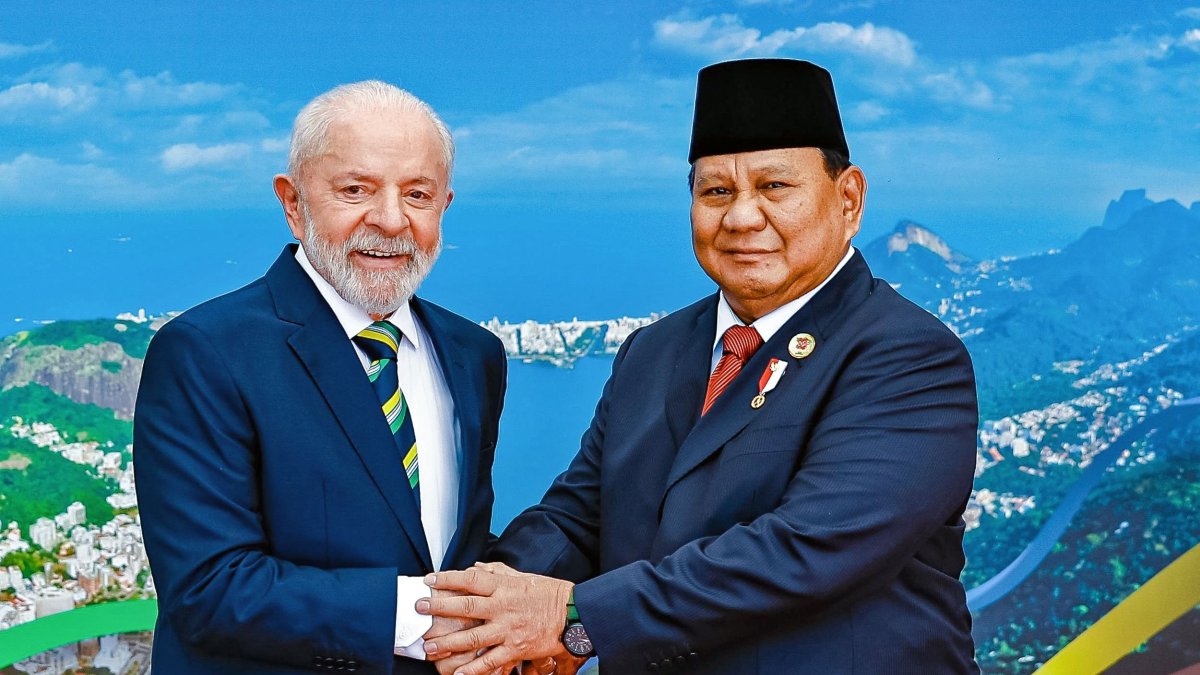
546 411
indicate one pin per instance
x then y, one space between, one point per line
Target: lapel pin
768 381
801 345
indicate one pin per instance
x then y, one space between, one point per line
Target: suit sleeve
889 461
559 537
219 585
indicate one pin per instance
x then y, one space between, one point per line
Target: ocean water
546 411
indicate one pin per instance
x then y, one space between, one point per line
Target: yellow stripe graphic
1164 598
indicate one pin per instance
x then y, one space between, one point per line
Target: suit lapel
689 379
463 389
732 411
327 355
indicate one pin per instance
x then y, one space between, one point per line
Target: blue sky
1004 126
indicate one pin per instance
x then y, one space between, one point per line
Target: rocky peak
908 234
1120 210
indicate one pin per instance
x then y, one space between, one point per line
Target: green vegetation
1135 523
30 561
133 338
75 421
47 486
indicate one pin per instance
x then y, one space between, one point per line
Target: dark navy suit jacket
820 533
274 503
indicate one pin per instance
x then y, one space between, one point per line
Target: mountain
1118 290
1120 210
916 260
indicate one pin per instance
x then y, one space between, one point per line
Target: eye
354 191
715 191
775 184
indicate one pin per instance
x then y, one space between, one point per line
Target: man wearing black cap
775 476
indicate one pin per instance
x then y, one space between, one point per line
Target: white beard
373 291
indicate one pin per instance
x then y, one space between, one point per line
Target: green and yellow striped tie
379 342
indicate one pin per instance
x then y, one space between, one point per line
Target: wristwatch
574 636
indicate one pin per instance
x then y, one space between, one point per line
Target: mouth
373 257
747 252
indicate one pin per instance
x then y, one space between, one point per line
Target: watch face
576 640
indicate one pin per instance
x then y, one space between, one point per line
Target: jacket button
693 655
653 667
352 665
318 662
680 660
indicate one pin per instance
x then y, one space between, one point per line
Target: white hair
310 132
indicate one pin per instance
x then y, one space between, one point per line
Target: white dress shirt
770 323
436 428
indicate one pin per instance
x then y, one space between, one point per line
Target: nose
744 213
387 213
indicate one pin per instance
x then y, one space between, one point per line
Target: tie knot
379 341
741 341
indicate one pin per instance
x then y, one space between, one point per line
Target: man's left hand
523 615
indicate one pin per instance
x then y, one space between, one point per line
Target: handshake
491 620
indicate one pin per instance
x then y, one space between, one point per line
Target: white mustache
362 240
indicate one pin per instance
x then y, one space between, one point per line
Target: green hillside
38 482
75 421
133 337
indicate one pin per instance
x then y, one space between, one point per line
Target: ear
289 197
449 198
852 190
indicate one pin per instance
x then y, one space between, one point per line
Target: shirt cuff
410 626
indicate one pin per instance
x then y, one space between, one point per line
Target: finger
473 581
461 606
497 568
447 666
494 659
467 641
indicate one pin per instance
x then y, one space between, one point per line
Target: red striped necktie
739 343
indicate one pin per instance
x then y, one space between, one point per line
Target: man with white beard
310 446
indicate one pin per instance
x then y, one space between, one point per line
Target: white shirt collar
354 319
770 323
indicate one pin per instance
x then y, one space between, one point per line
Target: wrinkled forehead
386 138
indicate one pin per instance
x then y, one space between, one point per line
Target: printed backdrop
1032 184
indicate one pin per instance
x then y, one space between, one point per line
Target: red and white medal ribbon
768 381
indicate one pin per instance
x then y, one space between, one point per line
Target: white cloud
9 50
725 36
30 180
584 139
1189 13
1190 40
950 87
275 145
189 155
868 112
91 152
74 87
30 97
162 90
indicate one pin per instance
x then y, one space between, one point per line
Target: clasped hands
491 619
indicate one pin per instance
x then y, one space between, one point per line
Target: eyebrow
362 174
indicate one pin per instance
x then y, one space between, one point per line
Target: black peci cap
764 104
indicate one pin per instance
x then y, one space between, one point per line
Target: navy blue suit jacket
274 503
821 533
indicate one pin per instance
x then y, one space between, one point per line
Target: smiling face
771 225
369 208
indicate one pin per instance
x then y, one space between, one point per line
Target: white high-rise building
44 533
77 513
